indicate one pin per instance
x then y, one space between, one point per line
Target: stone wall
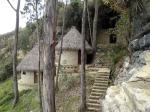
104 38
69 57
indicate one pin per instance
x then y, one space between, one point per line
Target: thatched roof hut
73 41
30 61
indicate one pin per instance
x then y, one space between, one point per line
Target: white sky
8 15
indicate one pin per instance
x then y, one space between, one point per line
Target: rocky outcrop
142 43
132 90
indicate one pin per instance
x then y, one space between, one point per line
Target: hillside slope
67 98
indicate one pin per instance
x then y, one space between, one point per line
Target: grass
71 105
67 100
28 99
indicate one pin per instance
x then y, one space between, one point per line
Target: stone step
91 109
96 105
98 90
93 100
94 97
101 78
101 70
101 81
106 65
96 94
103 73
100 84
100 87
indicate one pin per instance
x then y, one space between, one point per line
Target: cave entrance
108 17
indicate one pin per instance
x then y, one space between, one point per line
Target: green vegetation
67 99
5 63
6 69
26 40
28 99
116 55
70 104
67 81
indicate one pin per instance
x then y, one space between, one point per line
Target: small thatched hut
29 69
71 49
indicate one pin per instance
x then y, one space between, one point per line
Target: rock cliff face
132 90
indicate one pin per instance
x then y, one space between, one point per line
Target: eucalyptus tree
15 82
49 56
59 58
33 10
95 25
83 75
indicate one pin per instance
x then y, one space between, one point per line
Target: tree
39 53
73 13
59 58
83 76
15 82
49 57
32 9
94 43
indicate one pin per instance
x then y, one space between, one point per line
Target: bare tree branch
11 6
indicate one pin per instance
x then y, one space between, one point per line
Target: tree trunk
39 63
95 26
49 57
59 59
83 75
15 81
89 23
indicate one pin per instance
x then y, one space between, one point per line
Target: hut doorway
79 57
35 77
113 39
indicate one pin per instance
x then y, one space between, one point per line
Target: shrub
118 51
6 69
67 81
117 54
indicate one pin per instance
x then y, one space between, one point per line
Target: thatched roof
72 41
30 61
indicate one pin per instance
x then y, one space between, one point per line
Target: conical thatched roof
72 41
30 61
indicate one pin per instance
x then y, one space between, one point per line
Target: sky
8 15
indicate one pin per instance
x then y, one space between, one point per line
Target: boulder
140 44
144 42
134 46
132 95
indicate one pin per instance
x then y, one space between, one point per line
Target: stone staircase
98 90
100 85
